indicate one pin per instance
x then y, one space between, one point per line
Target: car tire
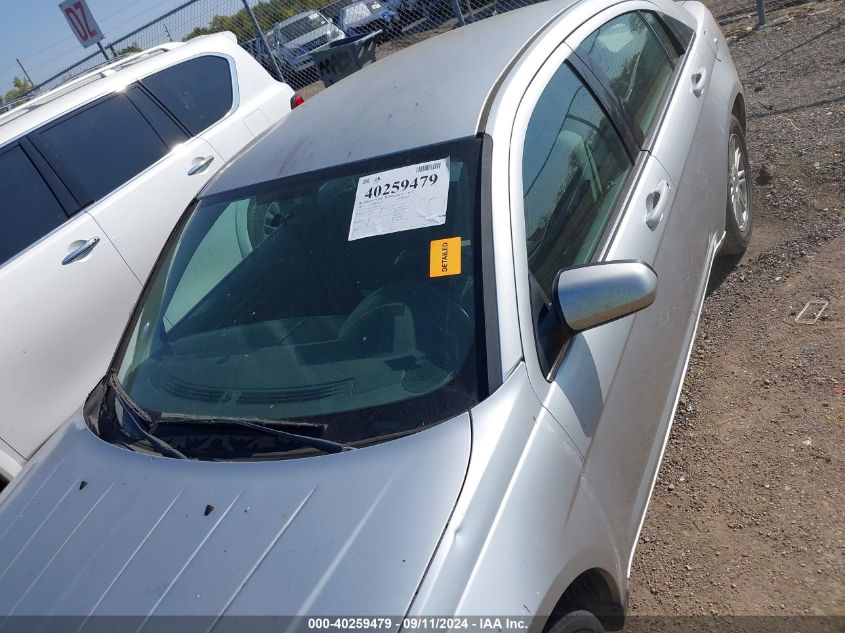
577 622
739 217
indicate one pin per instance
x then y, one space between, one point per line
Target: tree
132 48
20 88
267 14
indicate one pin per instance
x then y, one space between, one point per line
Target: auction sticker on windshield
401 199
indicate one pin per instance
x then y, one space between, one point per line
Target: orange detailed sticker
445 257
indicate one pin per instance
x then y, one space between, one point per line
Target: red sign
81 22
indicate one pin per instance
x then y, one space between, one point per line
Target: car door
590 194
134 166
67 294
657 77
691 141
659 70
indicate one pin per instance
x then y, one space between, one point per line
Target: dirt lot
748 516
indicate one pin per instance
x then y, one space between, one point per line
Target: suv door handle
199 164
80 251
699 81
656 204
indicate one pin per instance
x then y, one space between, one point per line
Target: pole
469 10
456 7
761 13
279 75
167 30
28 78
103 51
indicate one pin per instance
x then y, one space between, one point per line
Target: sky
37 33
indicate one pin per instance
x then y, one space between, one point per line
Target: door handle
199 164
699 81
656 204
80 251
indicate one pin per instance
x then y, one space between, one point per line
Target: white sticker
401 199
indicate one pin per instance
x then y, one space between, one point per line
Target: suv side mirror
594 294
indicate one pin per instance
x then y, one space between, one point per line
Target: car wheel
577 622
739 217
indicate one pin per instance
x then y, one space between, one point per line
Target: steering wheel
410 317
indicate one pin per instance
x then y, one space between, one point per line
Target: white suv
94 175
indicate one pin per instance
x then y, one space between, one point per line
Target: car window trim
50 177
663 107
157 105
643 138
674 56
233 76
488 312
681 34
83 197
611 107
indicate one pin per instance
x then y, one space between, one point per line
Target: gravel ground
747 515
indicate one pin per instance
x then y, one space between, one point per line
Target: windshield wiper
327 446
156 442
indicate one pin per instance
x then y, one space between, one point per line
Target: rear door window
28 209
634 64
197 92
101 147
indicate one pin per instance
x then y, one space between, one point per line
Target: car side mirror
595 294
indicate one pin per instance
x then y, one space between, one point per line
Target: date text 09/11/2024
423 623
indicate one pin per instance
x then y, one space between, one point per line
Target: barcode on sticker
429 167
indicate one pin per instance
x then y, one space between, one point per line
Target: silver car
294 39
423 364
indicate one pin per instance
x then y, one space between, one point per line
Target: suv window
28 209
574 166
197 92
103 146
635 64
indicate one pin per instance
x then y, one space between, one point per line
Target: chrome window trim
233 72
597 20
528 101
680 68
180 147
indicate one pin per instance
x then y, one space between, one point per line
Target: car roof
103 81
431 92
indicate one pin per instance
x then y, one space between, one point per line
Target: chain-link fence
728 11
286 36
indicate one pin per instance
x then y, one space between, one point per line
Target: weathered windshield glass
346 297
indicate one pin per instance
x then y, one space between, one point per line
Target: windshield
301 26
345 297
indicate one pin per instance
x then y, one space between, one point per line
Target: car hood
302 40
92 528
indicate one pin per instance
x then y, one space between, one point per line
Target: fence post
456 7
278 71
761 13
103 51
